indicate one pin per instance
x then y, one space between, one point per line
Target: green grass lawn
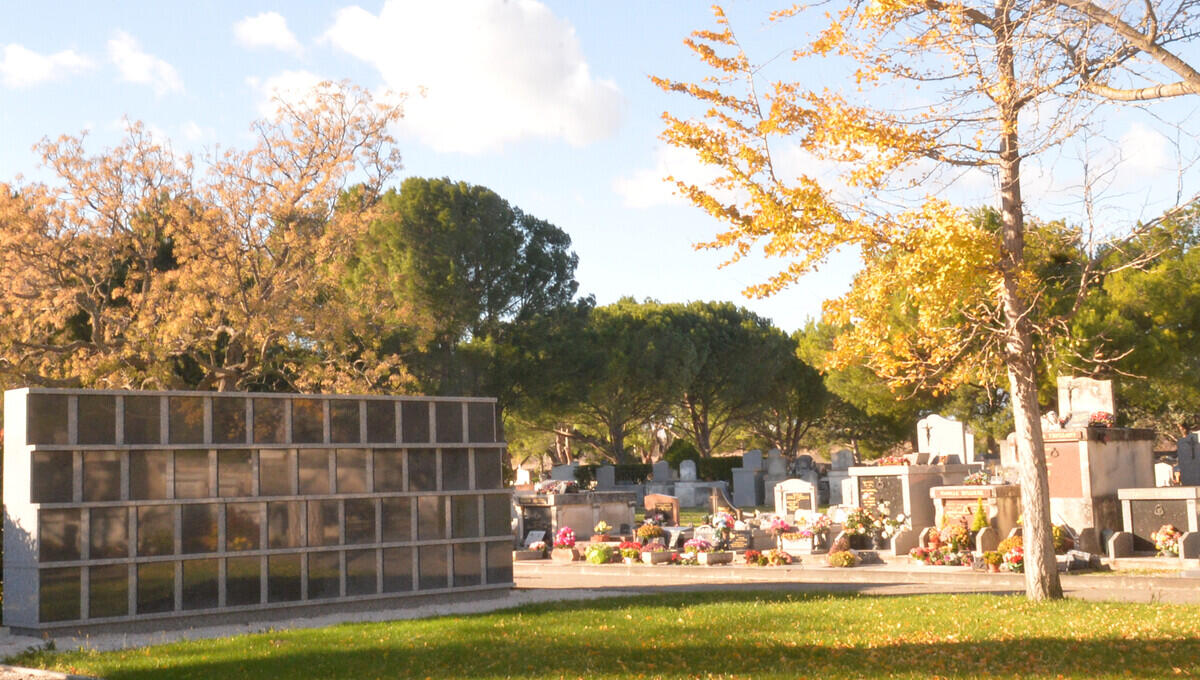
725 635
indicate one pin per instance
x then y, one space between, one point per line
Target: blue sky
549 105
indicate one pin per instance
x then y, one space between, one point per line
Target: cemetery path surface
545 581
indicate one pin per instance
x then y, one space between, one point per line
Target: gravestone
668 506
748 480
534 536
875 493
661 471
1164 474
687 471
776 472
1145 510
1079 398
842 459
718 501
564 473
606 478
776 464
752 460
741 540
838 475
792 495
940 436
705 533
1188 449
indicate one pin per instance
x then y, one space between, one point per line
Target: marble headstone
687 471
941 436
661 471
1078 398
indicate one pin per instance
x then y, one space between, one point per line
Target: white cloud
649 188
1145 151
290 86
490 72
194 132
22 67
139 67
268 29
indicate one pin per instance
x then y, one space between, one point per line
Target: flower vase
878 542
994 568
715 557
656 557
564 555
629 561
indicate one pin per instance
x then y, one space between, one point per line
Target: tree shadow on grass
479 646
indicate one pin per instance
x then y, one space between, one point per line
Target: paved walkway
545 581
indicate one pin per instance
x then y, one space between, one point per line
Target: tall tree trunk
616 438
1041 570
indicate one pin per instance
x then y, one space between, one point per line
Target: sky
547 103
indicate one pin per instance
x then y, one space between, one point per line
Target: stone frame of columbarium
125 506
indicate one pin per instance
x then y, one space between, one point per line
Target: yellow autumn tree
134 268
941 300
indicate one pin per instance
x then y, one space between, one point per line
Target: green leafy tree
737 355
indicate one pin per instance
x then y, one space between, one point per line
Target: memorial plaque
397 570
874 492
243 585
185 423
324 575
155 587
533 537
52 477
397 519
797 500
343 422
741 540
414 421
1148 516
229 420
270 425
308 421
499 563
956 510
283 578
360 572
468 569
381 421
449 417
497 515
142 415
314 471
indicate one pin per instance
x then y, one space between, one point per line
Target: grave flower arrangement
981 478
723 523
648 531
538 546
1101 419
697 545
754 558
556 486
955 536
887 526
893 460
1014 560
565 538
599 553
630 549
859 522
654 548
778 527
842 559
602 529
1166 540
777 557
942 556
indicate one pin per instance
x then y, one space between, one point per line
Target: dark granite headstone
875 491
741 540
1149 515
